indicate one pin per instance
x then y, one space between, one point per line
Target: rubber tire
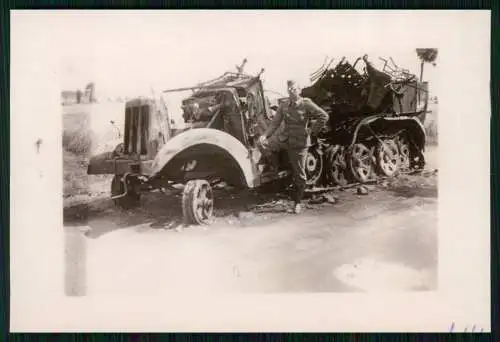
131 200
190 215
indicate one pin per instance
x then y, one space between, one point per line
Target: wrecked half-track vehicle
376 120
224 118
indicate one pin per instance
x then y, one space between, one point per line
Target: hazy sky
127 53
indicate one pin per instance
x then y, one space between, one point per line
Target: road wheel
404 152
128 201
336 165
197 202
418 160
359 162
412 158
314 166
387 157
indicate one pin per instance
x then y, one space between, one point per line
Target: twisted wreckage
375 128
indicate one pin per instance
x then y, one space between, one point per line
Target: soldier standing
297 114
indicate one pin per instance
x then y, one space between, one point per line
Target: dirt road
383 241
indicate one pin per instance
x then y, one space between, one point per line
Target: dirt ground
383 241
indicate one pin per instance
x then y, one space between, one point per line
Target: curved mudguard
419 128
209 136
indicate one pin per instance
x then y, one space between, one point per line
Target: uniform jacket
296 118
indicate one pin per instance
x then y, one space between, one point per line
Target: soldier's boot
297 209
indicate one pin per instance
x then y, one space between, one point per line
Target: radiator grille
136 130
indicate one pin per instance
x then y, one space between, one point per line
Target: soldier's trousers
297 157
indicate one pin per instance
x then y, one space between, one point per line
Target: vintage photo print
250 170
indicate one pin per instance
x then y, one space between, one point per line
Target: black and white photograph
249 153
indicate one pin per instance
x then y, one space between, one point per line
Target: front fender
210 136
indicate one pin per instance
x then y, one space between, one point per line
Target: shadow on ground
409 191
163 211
424 185
245 208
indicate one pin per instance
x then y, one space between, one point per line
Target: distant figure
90 92
78 96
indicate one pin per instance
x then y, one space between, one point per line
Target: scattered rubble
362 190
384 183
323 198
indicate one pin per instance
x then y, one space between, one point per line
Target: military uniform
293 123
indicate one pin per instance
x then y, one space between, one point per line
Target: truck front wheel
197 202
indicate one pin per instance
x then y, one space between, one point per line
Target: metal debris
362 190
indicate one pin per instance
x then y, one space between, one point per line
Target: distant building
69 97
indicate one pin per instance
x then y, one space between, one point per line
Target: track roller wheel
336 165
387 157
314 166
404 152
359 162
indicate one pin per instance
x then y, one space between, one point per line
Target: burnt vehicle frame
376 120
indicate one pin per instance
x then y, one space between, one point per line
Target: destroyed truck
376 120
224 118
